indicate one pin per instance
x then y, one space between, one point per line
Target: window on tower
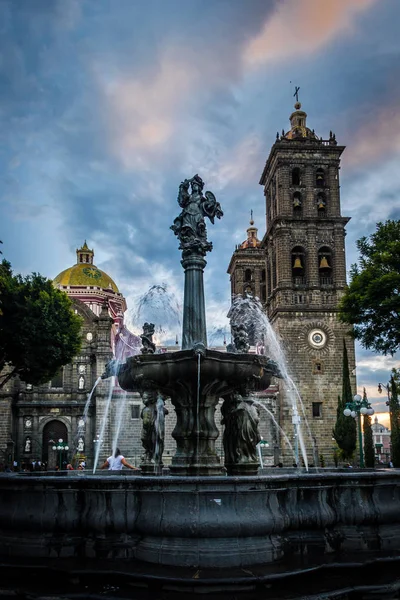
325 266
320 178
296 176
317 410
298 266
248 275
321 204
297 204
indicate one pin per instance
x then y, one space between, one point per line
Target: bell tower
304 247
247 266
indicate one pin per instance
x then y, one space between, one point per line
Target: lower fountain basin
199 522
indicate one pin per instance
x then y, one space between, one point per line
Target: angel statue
190 227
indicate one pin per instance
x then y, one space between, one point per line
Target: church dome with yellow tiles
85 273
92 286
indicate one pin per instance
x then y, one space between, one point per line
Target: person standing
114 463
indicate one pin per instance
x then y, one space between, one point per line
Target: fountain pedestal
194 314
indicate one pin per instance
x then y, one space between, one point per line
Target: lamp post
61 447
355 409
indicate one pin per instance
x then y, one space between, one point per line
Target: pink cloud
142 110
377 138
300 27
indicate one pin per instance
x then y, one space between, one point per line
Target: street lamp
61 447
355 409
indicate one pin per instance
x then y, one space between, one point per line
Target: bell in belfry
324 263
297 263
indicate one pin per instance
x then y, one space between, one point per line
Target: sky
107 105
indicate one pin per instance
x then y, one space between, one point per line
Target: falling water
249 313
159 306
103 422
121 406
278 427
81 428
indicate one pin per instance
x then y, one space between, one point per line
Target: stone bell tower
247 266
304 247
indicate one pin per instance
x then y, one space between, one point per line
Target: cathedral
298 271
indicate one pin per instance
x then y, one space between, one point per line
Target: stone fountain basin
226 371
200 522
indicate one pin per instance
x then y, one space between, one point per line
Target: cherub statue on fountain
240 339
149 346
189 226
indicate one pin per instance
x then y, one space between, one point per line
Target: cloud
240 164
300 27
377 140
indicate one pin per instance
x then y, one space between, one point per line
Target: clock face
28 423
317 338
92 272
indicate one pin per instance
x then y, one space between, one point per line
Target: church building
301 262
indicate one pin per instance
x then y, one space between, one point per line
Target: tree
394 410
371 303
369 450
345 430
39 332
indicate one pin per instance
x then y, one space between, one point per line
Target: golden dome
85 274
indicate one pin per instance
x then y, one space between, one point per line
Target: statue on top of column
189 226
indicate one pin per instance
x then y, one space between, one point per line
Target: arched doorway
52 432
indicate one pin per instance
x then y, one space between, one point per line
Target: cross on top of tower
296 92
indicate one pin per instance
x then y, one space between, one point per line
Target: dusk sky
107 105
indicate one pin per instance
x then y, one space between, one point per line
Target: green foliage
394 410
39 332
336 457
369 450
321 461
345 430
371 302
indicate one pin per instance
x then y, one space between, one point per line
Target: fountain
220 527
195 378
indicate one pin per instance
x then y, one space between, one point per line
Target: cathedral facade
302 261
56 423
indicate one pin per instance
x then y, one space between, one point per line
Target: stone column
194 314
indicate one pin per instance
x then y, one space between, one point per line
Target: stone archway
52 432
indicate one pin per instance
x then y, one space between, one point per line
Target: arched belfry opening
298 259
325 266
296 176
321 204
320 177
297 204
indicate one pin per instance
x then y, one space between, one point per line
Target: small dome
252 239
85 274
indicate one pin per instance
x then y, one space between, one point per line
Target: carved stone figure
189 226
147 339
28 445
241 434
153 428
111 369
240 339
148 416
81 445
